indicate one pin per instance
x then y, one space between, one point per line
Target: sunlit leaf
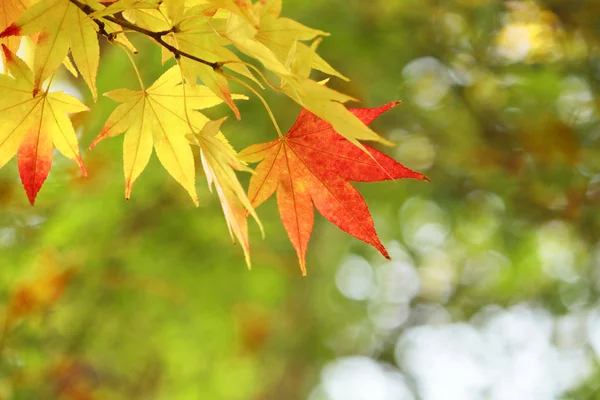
159 118
63 26
313 164
219 161
34 123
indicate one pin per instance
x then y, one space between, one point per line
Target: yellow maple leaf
125 5
322 101
159 117
33 123
150 18
243 8
9 12
175 9
280 34
243 35
219 161
63 26
195 35
294 73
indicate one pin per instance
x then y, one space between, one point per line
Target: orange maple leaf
313 164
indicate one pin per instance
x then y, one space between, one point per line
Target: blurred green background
493 288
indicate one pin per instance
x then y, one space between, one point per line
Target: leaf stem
50 81
185 107
156 36
137 71
233 78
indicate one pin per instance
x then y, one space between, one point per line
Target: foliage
312 164
493 289
166 115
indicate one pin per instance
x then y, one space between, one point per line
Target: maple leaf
10 11
243 8
281 34
160 117
147 15
32 124
126 6
219 161
294 73
195 35
63 26
322 101
313 164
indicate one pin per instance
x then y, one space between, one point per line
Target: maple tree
311 164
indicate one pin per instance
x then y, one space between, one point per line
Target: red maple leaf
313 164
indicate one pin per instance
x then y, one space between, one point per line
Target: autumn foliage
312 164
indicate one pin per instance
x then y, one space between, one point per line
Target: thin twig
157 36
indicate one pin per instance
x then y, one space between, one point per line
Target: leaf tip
82 166
303 267
127 190
94 143
31 192
384 108
11 30
416 175
384 252
99 138
386 142
8 55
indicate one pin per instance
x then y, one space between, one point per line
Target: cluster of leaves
311 164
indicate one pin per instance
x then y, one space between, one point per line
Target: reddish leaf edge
11 30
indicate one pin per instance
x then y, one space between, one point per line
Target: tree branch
156 36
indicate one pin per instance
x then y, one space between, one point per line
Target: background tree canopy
493 288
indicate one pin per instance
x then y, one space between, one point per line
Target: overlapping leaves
313 164
165 117
63 27
205 37
9 11
201 29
